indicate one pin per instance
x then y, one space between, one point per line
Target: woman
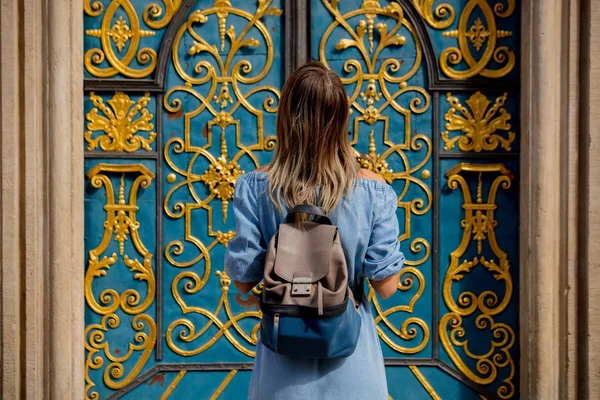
314 155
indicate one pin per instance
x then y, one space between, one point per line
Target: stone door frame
41 244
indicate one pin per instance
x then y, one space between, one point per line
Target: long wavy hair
313 148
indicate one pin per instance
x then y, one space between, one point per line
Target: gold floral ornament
479 225
120 123
224 238
367 27
479 125
375 162
120 33
480 33
120 224
220 177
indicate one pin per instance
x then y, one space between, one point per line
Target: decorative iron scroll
479 226
216 81
120 225
369 81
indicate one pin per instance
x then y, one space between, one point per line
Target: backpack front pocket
311 337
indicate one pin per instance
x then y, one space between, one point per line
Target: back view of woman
314 163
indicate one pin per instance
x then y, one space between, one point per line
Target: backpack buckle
302 284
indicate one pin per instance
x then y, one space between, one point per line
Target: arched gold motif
120 225
479 226
216 83
480 35
374 80
125 33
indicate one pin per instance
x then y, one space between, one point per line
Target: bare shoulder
367 174
264 168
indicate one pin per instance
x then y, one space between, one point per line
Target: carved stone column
41 242
65 196
544 199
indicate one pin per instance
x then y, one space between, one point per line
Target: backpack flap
305 252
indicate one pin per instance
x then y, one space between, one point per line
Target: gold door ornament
479 123
482 35
120 225
372 77
125 32
216 82
120 124
478 226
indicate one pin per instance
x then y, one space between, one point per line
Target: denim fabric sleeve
383 257
245 256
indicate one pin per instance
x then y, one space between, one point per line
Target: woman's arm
245 255
245 287
383 258
386 287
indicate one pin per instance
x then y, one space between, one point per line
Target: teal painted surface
195 297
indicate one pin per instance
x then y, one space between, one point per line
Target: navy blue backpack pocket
331 335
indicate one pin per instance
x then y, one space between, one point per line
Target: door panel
181 99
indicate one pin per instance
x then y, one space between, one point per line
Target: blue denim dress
368 228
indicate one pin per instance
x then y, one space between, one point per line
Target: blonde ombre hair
313 149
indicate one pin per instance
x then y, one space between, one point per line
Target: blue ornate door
181 99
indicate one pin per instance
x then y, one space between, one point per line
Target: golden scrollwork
184 330
379 85
120 123
444 13
225 78
478 226
120 225
481 34
125 32
215 81
371 80
408 330
479 125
